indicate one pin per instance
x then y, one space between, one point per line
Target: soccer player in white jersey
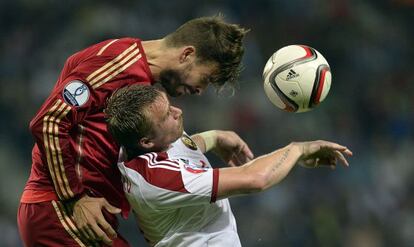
177 197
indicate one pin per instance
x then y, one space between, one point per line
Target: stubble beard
170 80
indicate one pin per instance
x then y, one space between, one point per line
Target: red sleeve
79 90
51 129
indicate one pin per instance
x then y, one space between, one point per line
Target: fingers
243 155
103 223
341 149
110 208
101 236
239 159
348 152
88 233
87 214
247 152
231 163
341 157
106 227
93 232
339 152
332 145
236 158
326 154
82 220
99 230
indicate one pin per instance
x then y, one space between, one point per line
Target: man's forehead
161 101
163 97
160 105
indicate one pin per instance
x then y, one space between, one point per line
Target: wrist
210 139
81 196
298 148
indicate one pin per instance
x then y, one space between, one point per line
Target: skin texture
177 69
168 125
88 211
270 169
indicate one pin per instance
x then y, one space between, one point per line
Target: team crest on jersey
185 161
194 168
188 142
76 93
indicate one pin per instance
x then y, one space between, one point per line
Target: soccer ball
297 78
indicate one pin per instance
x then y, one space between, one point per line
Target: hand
231 148
322 153
87 214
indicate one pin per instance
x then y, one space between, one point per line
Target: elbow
36 126
259 182
33 126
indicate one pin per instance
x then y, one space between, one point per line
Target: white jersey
173 195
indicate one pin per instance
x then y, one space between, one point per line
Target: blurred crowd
369 46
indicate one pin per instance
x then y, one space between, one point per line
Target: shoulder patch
188 142
76 93
194 168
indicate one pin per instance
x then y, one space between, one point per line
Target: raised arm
225 144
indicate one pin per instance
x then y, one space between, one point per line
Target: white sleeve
170 183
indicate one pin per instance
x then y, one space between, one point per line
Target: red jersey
74 153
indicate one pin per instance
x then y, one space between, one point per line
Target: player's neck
153 48
154 51
161 57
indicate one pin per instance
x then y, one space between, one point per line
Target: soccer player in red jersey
75 189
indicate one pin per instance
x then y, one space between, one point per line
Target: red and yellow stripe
80 151
53 151
67 222
106 46
114 67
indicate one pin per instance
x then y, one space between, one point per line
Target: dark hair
215 41
125 113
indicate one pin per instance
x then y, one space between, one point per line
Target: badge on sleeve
76 93
194 168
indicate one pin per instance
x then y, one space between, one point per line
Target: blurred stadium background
369 45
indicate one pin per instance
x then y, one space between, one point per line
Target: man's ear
146 143
187 54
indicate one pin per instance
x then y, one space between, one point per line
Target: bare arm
225 144
268 170
199 140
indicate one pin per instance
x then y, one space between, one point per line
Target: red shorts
48 224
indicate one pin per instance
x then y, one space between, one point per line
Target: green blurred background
369 45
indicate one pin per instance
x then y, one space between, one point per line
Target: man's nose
178 112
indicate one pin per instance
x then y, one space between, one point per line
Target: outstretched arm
268 170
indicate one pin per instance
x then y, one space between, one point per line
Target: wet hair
215 42
126 115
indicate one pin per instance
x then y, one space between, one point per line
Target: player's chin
174 92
